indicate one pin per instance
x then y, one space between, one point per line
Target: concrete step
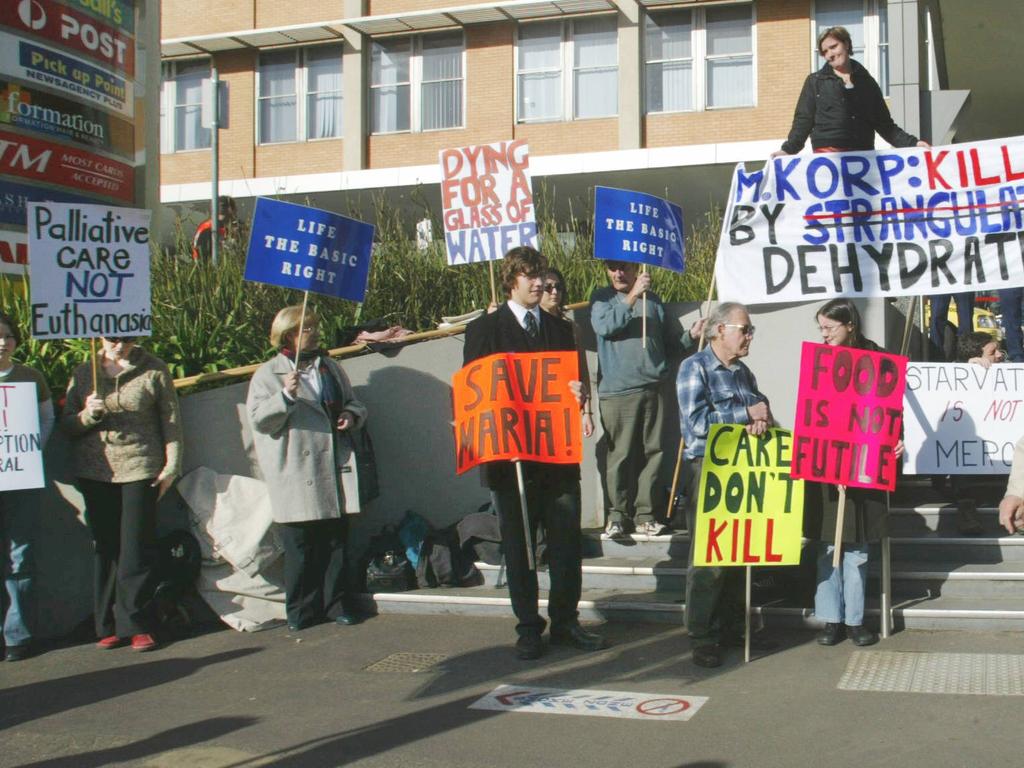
615 573
959 550
939 612
930 518
977 580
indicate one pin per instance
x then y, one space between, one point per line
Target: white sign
898 222
962 419
21 445
554 701
487 200
89 268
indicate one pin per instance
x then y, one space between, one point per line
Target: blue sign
15 197
299 247
633 226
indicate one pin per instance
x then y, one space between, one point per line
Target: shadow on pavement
25 703
165 741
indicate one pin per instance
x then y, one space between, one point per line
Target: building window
299 94
416 83
181 106
567 70
868 24
699 59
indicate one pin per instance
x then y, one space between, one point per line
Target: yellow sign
749 510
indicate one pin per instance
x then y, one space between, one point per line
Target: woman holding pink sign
839 596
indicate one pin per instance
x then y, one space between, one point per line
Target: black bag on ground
384 566
443 563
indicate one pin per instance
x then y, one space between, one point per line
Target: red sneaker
111 642
144 643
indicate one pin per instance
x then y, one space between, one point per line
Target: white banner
21 446
89 268
487 199
898 222
962 419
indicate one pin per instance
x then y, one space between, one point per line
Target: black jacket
500 331
845 118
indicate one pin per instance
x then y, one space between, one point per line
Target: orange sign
517 406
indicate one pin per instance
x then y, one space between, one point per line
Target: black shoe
967 522
709 656
348 618
18 652
529 646
832 634
861 635
577 637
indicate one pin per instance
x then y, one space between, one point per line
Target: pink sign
849 416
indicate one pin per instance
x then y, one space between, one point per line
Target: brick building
329 97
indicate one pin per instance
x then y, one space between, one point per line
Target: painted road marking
557 701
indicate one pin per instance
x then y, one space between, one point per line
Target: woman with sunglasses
302 409
126 452
552 301
19 510
840 593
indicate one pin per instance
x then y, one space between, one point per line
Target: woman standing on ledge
841 106
126 452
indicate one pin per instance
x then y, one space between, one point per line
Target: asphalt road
307 699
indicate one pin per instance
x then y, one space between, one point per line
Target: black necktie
530 325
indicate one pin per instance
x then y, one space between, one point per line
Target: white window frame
699 58
416 83
872 41
168 105
302 94
567 71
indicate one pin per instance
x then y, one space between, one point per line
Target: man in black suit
552 490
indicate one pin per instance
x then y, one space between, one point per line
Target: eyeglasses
745 330
618 266
828 330
552 287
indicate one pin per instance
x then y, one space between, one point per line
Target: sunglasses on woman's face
552 287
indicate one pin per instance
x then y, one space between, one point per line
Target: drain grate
407 662
989 674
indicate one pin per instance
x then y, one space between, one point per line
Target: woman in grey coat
301 407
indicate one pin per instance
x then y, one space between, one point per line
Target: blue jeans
940 310
19 512
839 598
1009 305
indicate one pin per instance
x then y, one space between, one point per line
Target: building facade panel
183 18
273 13
323 156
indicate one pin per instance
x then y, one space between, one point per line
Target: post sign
749 510
962 419
21 446
487 201
89 268
849 414
295 246
517 406
633 226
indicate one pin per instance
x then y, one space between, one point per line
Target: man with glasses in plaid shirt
714 387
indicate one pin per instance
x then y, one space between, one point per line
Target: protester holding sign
301 407
841 106
552 301
19 509
840 593
715 387
552 491
126 452
631 371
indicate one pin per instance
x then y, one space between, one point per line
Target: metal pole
215 171
526 516
886 601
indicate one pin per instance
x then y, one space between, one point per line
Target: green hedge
207 318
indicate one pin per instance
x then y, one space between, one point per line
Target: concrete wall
408 396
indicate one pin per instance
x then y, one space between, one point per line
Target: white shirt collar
520 312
